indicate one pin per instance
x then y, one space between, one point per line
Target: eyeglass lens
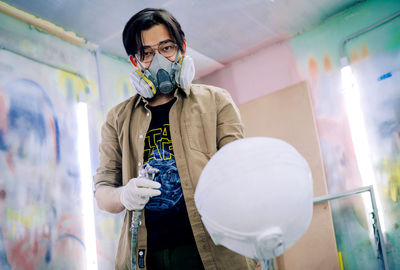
167 49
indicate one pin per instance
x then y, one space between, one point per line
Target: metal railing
378 235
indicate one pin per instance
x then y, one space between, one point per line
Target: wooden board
287 114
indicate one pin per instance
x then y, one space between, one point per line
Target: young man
175 127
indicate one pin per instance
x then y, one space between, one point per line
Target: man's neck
160 99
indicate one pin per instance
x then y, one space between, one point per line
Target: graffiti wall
379 83
40 204
115 80
314 56
374 58
41 80
116 88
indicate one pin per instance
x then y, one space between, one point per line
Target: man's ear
184 47
133 61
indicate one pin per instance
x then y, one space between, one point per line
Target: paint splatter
327 63
2 194
72 85
313 68
29 112
364 51
124 88
3 113
354 56
313 72
392 170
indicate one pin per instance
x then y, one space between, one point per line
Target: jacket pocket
201 130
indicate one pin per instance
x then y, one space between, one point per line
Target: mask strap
177 56
175 65
144 70
181 60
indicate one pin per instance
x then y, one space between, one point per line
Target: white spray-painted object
255 197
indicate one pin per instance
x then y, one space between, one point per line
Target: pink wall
267 70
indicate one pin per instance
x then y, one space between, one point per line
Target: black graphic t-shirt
167 221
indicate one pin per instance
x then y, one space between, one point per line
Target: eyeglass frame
138 57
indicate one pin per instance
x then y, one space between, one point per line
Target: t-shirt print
158 152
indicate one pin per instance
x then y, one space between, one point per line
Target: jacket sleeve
229 123
109 172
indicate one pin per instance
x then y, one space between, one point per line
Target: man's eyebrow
161 42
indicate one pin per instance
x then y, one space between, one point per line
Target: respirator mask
163 76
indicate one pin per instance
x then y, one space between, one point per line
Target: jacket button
141 136
139 163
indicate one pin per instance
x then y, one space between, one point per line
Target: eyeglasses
165 48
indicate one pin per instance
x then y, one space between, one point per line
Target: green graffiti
392 170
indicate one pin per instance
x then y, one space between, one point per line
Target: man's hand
137 193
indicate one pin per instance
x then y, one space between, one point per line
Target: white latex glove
137 193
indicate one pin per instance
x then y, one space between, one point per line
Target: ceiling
217 31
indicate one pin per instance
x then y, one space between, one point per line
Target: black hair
144 20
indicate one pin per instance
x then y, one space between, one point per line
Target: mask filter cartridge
164 81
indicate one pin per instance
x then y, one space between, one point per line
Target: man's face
154 38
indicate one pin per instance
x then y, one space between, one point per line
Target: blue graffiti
27 114
3 255
385 76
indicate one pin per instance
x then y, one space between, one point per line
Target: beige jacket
202 120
